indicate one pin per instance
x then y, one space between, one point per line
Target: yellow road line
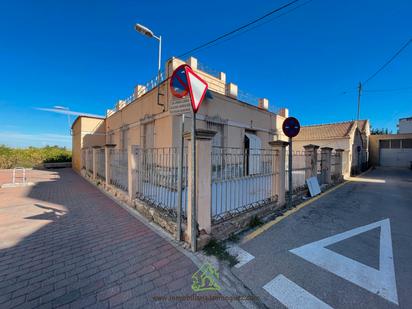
269 224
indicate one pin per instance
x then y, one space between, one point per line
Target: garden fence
157 177
241 179
119 169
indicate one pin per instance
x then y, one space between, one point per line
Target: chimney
263 103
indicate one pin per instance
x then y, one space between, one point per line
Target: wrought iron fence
157 177
335 165
83 158
241 179
101 163
119 168
146 87
89 160
298 170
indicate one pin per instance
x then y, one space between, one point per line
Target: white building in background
405 125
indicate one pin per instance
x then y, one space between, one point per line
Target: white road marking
381 282
242 255
292 295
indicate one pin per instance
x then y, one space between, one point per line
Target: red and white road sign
185 80
197 87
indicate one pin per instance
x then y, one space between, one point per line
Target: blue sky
85 55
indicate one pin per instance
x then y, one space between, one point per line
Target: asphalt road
360 254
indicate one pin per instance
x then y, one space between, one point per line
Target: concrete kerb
233 286
254 233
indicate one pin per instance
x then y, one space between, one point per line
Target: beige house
351 136
145 118
86 131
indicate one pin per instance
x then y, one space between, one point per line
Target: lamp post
149 33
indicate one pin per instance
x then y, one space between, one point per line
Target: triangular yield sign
197 88
381 282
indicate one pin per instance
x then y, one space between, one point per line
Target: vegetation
234 237
32 156
376 131
219 250
255 221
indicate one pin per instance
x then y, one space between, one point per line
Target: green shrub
32 156
255 221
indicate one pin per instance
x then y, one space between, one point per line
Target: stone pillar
107 148
203 182
311 160
339 163
94 161
132 157
326 154
279 177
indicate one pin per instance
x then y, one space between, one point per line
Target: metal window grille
157 178
241 180
119 169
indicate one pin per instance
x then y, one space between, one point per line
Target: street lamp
149 33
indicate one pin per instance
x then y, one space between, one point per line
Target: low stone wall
240 222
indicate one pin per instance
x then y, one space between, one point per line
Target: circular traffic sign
291 127
178 82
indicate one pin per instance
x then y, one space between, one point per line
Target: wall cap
201 134
311 146
110 145
278 143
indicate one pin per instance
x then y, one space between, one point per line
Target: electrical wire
389 90
251 28
238 29
388 62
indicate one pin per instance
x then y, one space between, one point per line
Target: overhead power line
361 85
389 61
238 29
389 90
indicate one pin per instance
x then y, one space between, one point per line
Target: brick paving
64 244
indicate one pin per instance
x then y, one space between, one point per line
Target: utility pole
359 96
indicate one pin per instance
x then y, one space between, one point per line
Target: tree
376 131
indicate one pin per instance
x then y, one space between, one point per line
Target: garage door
395 152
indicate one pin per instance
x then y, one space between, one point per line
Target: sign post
183 81
179 180
291 128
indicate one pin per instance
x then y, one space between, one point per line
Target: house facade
145 119
351 136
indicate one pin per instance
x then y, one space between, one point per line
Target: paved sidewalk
64 243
